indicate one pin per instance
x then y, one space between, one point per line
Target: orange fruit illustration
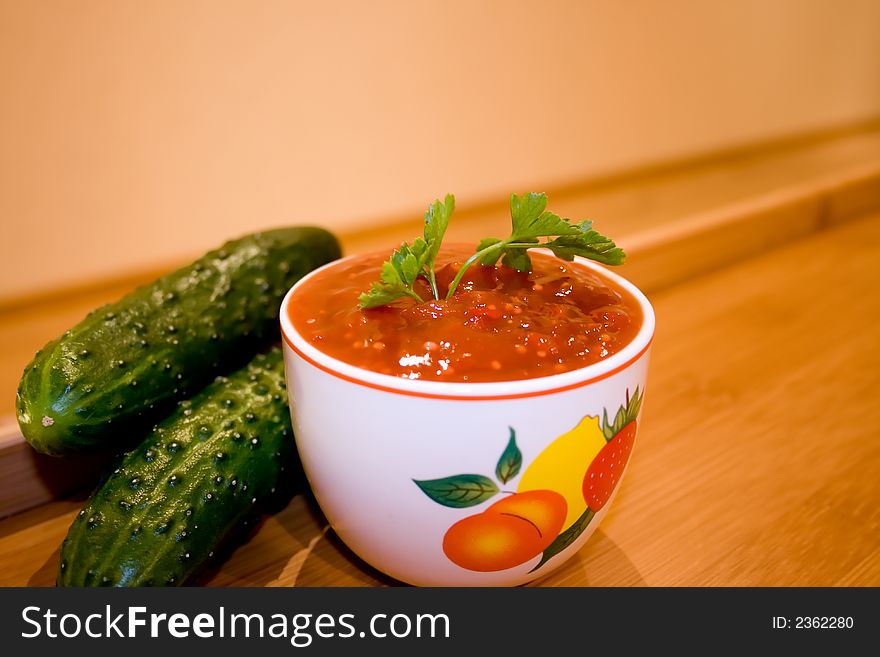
508 533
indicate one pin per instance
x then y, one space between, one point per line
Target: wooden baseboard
697 244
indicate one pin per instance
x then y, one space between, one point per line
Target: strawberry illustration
606 469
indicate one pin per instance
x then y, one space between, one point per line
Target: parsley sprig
409 262
530 221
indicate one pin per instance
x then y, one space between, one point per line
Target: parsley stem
503 244
523 245
467 263
415 295
432 279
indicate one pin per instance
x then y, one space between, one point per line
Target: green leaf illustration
625 415
510 461
566 538
458 491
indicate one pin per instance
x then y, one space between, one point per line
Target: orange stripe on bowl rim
427 395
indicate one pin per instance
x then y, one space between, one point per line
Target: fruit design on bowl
554 501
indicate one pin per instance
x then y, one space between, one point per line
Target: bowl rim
466 390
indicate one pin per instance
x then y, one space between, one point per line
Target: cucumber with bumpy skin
168 504
125 364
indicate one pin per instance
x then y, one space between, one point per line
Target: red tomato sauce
500 325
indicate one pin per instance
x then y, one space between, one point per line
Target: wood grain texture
758 459
855 196
756 463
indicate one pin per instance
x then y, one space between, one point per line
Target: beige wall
137 132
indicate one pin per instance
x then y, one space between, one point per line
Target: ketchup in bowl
500 325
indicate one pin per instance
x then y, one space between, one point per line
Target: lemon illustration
562 464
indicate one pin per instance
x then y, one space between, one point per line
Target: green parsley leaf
436 222
530 220
391 286
409 262
590 245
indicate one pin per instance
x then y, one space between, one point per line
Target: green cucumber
127 362
170 503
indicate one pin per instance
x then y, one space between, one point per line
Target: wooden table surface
757 462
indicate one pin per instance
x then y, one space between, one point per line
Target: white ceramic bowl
396 463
